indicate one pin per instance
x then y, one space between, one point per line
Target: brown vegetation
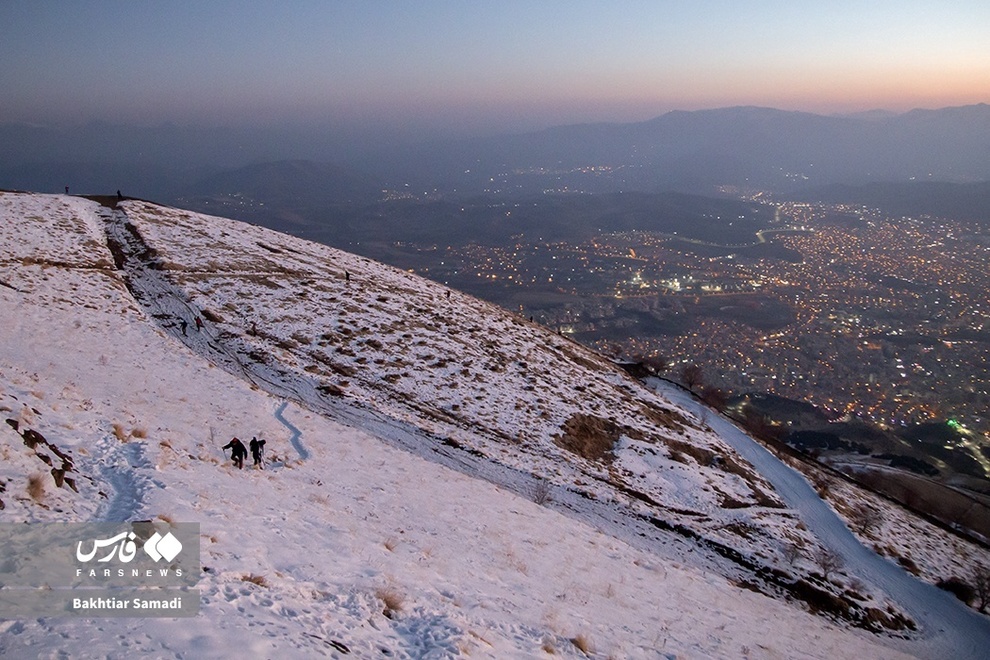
119 432
255 579
391 599
590 437
583 644
36 487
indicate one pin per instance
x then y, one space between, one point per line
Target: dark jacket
236 448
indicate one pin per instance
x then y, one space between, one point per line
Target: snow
361 503
951 629
455 367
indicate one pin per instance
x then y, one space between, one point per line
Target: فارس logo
122 546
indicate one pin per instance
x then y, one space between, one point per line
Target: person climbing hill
257 449
237 452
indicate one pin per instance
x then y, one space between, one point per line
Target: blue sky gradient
480 67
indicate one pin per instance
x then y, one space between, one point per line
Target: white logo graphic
158 547
163 547
127 548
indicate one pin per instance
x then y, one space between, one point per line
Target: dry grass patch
663 417
583 644
392 600
121 433
590 437
255 579
36 487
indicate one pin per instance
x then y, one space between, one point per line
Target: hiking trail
295 434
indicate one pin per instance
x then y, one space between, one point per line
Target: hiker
347 276
67 190
183 325
119 196
257 447
199 324
237 452
448 294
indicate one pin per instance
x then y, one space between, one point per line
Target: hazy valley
823 299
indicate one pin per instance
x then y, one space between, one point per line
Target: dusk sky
481 67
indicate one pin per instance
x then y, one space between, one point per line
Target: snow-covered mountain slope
418 428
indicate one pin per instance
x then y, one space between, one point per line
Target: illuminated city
854 311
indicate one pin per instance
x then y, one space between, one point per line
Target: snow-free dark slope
97 362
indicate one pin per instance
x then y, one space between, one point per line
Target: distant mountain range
742 146
684 151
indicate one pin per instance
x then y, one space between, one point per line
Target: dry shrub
391 599
391 543
255 579
828 560
540 492
823 485
36 487
139 433
908 564
583 644
212 316
119 432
